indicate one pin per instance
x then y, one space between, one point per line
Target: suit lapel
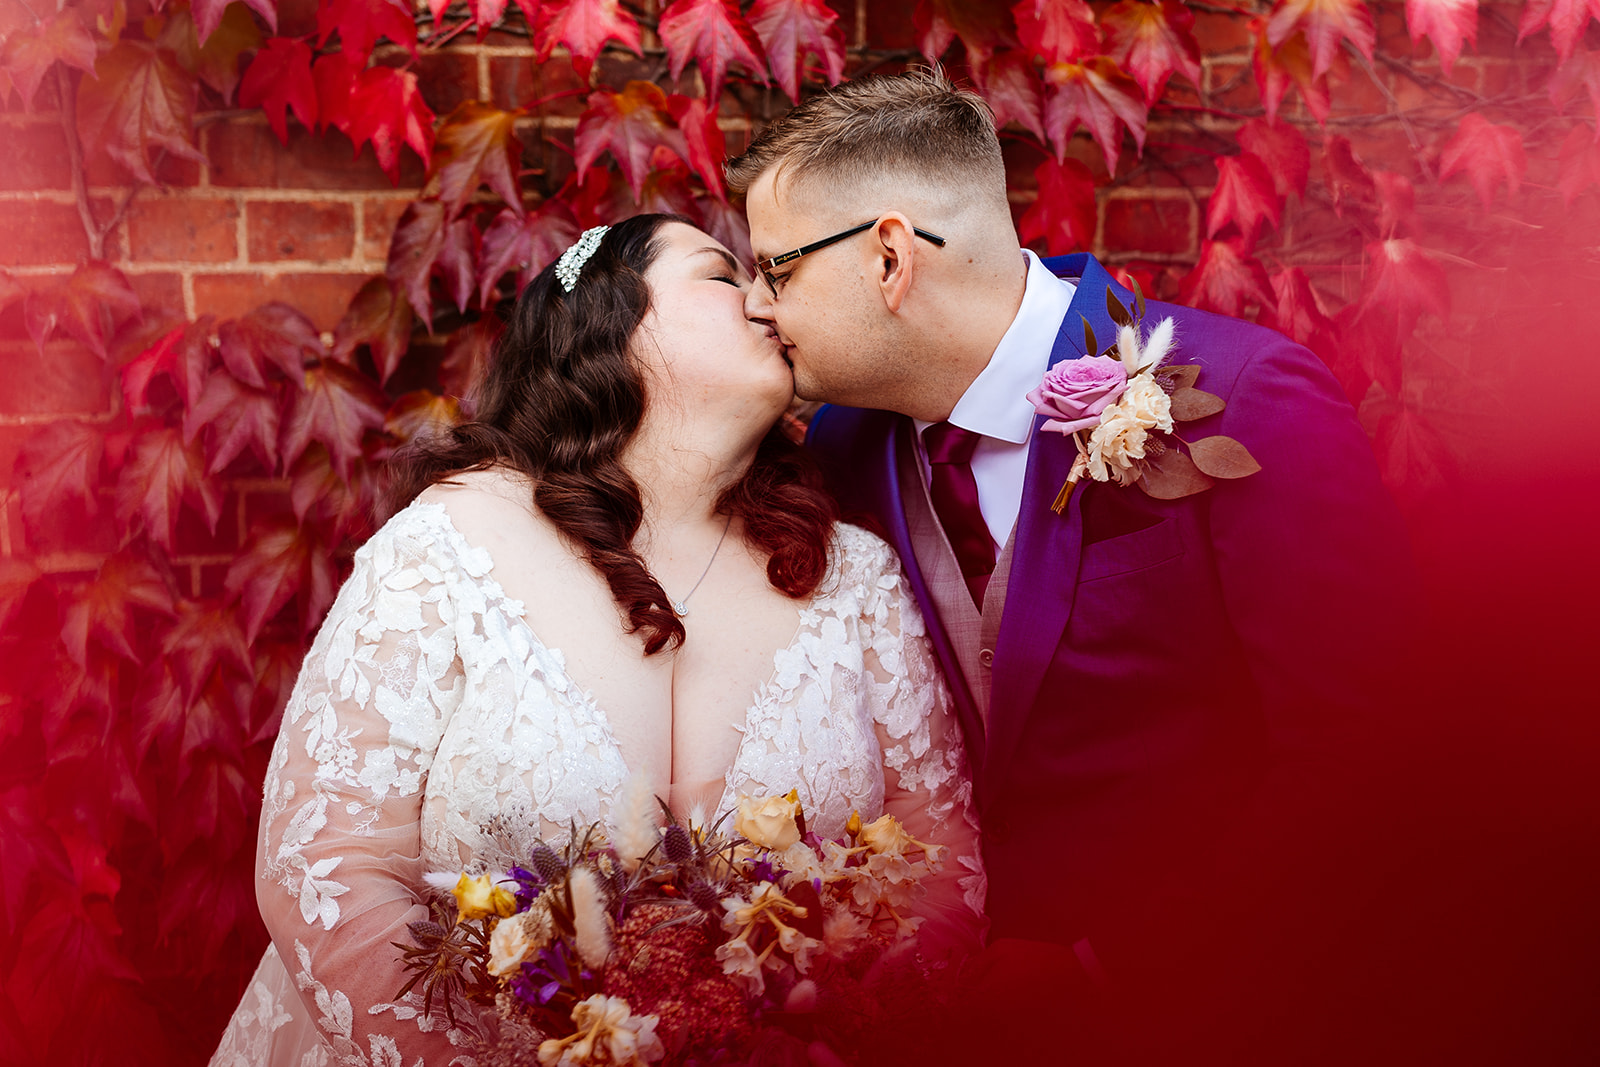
1048 546
893 512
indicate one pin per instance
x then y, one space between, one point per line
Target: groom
1165 701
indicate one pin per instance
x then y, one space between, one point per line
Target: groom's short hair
911 125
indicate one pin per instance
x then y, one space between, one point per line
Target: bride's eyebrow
725 256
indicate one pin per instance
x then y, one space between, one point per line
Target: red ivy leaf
360 23
31 853
702 137
1580 73
380 318
209 14
982 26
727 224
213 804
1447 22
278 79
91 305
1153 40
321 496
162 473
1281 147
1298 314
1059 31
418 239
387 109
273 335
1244 197
477 145
16 578
140 100
1063 215
216 62
1325 24
458 259
715 36
1226 280
467 353
421 412
336 407
584 26
1349 181
1580 163
104 610
1011 86
525 245
630 125
334 74
792 30
238 417
1411 455
1279 66
1489 155
1402 282
1097 95
204 636
182 356
1396 202
59 466
1567 19
282 561
28 56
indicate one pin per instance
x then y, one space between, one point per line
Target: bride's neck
681 475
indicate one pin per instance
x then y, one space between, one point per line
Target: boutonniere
1130 404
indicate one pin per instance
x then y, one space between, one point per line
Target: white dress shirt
996 403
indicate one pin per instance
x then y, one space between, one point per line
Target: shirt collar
996 403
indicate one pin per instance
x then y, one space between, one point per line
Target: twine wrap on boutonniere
1130 405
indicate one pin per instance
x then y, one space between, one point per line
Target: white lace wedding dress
426 706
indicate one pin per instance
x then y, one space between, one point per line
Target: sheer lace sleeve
927 784
339 867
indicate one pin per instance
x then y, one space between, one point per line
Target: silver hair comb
570 265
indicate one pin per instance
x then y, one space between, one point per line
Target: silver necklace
678 606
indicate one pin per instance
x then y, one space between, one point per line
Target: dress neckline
516 612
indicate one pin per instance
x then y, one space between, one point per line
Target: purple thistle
529 885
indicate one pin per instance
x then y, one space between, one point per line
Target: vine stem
93 230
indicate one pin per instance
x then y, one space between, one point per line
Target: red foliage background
250 248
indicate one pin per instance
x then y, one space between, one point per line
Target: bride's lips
784 350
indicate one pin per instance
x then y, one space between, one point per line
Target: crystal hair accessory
570 265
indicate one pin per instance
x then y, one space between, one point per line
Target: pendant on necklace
679 610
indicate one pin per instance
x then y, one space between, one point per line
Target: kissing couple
989 598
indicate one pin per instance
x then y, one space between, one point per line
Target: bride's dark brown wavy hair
562 397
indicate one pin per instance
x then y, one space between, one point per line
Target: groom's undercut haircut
908 126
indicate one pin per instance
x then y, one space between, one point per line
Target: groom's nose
758 301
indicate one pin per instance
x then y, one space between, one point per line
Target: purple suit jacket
1178 685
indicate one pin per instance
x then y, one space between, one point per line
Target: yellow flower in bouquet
771 822
479 898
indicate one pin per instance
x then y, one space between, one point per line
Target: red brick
168 170
245 155
70 531
194 538
12 438
159 291
323 297
1218 33
40 232
1157 226
889 24
183 230
296 18
36 158
846 10
446 78
378 218
517 81
67 380
316 230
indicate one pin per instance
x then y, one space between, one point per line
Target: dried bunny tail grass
635 826
591 925
442 881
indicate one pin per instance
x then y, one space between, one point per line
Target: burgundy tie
955 500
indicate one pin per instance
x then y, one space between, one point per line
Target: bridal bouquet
677 944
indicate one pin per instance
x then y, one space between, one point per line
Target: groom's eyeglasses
775 281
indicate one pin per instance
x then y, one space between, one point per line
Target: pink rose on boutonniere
1075 391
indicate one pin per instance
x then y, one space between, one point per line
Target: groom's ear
897 251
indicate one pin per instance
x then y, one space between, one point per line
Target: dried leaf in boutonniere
1130 403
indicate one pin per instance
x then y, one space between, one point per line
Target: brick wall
309 221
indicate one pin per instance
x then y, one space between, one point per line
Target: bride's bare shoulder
488 504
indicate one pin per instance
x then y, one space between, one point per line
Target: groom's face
822 306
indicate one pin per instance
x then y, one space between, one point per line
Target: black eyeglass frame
764 266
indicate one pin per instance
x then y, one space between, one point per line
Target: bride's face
702 356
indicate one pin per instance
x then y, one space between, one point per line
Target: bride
620 568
